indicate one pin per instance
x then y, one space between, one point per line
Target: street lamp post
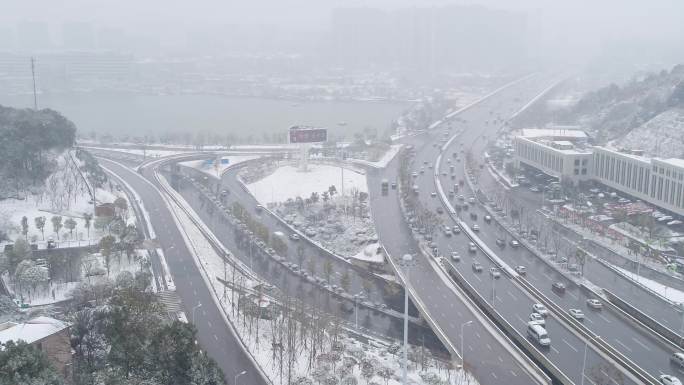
199 305
238 376
463 351
406 262
356 311
493 285
584 360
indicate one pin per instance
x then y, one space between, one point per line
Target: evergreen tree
21 364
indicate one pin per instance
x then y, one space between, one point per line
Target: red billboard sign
299 134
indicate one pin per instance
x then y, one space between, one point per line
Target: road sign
305 134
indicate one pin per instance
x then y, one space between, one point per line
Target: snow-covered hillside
662 136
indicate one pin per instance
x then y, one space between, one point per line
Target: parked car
473 216
494 272
541 309
501 243
433 194
477 267
440 210
514 243
472 248
487 218
455 257
294 237
521 270
576 314
558 287
476 228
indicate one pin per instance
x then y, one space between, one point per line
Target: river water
248 118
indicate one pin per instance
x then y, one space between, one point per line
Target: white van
538 333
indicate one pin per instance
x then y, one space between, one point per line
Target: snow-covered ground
370 254
214 168
65 194
287 182
671 294
372 359
93 269
384 160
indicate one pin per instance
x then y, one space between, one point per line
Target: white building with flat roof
657 181
653 180
558 158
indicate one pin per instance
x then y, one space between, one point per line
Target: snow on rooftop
549 132
674 162
33 330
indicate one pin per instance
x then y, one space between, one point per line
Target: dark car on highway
558 287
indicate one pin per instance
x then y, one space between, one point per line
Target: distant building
47 334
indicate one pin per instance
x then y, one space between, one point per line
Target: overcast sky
631 16
578 25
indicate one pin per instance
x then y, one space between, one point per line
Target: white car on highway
576 314
667 379
476 228
594 303
471 247
541 309
538 319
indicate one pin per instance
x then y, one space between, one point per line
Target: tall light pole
356 311
406 262
491 273
238 376
199 305
462 350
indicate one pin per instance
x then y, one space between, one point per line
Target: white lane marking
555 350
514 373
521 320
216 338
512 296
604 318
571 347
623 345
478 278
500 359
209 323
532 276
573 296
641 344
478 335
488 347
588 319
494 375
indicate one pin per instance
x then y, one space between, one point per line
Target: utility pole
33 74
